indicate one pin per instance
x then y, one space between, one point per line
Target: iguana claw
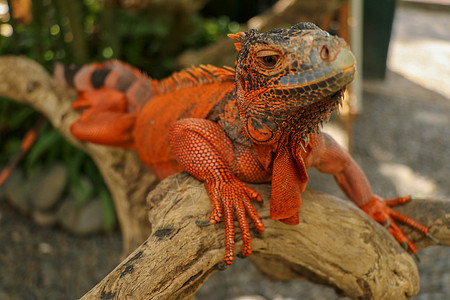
404 245
231 197
380 210
433 238
387 223
221 266
203 223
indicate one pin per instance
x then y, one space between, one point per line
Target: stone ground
401 141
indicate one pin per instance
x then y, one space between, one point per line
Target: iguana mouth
301 81
326 76
348 69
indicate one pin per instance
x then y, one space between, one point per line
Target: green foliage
73 31
49 147
15 120
208 30
109 214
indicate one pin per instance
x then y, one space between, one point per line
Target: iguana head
289 80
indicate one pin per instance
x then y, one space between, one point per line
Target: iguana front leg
202 148
328 157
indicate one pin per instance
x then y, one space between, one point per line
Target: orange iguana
257 123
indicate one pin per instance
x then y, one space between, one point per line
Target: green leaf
82 190
19 117
74 162
109 214
42 144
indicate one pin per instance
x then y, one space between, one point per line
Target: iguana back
125 108
191 93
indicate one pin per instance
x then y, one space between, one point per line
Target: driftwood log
335 243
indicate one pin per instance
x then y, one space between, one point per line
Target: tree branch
335 244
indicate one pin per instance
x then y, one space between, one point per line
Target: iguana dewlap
257 123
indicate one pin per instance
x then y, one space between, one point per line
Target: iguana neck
294 128
307 120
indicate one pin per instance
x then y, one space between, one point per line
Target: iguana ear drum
259 131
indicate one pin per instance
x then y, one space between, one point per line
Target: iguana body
258 123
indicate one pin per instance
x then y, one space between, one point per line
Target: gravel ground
401 141
48 263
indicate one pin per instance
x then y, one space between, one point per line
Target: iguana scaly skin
257 123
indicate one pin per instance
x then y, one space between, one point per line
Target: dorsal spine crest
194 76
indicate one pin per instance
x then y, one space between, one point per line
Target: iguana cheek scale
256 123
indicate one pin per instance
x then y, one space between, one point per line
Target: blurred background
54 245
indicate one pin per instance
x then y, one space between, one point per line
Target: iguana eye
269 61
268 58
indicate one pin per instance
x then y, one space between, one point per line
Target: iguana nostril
325 53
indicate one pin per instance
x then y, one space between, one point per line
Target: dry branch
335 243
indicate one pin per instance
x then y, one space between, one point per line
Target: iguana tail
112 95
137 87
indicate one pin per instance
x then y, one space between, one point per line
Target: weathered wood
25 81
335 244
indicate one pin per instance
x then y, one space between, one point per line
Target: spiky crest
241 37
194 76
